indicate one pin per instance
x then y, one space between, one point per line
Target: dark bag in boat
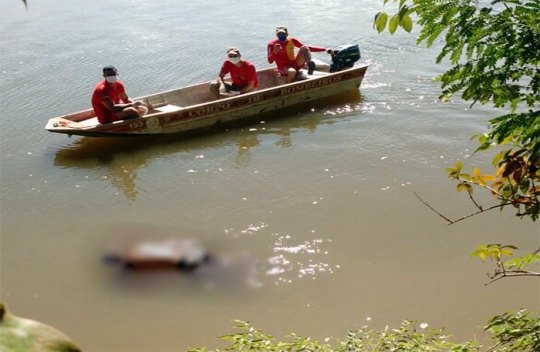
344 57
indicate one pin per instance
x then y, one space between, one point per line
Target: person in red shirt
243 75
110 101
281 50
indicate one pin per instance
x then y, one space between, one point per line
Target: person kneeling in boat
281 51
243 76
110 101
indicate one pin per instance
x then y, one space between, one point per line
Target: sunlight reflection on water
298 260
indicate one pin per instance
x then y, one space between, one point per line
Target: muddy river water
311 216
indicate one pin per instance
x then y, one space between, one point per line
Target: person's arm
312 48
221 81
125 98
221 77
123 95
251 79
118 107
108 103
317 49
272 50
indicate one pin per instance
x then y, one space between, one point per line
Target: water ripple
293 260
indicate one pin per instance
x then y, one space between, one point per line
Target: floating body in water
183 254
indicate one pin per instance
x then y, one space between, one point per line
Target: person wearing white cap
243 75
281 51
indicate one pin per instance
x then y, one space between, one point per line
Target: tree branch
450 222
433 209
520 273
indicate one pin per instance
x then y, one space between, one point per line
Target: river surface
311 217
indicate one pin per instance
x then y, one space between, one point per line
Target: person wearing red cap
281 51
110 101
243 75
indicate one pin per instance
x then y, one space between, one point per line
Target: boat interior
177 99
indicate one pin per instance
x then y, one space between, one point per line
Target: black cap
109 69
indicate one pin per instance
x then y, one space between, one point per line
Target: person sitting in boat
281 51
110 101
243 75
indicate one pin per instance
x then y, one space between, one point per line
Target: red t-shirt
114 92
242 75
286 57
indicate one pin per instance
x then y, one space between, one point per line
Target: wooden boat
195 108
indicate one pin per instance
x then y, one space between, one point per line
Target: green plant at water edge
515 332
408 337
493 49
510 332
511 267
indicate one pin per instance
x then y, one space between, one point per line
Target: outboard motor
344 57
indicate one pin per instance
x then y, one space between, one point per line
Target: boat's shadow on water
104 150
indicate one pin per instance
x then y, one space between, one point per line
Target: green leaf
406 23
380 22
445 98
520 262
481 252
484 146
464 187
506 252
497 159
494 252
393 24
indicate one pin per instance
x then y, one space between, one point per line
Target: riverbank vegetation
493 50
509 332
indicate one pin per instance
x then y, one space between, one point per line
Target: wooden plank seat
167 108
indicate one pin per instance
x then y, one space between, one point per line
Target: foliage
408 337
492 47
516 182
519 266
510 332
495 59
515 332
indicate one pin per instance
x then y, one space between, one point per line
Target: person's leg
303 57
234 87
127 114
141 110
106 117
291 74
